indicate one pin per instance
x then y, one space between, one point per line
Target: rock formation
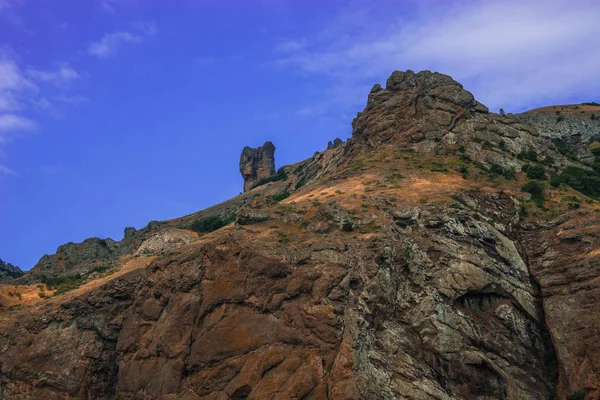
574 126
406 263
9 271
257 164
337 142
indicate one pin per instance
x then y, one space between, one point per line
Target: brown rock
257 163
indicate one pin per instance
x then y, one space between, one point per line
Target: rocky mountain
442 252
9 271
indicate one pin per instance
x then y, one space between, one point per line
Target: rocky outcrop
564 258
9 272
257 163
382 273
575 131
165 240
77 258
337 142
433 114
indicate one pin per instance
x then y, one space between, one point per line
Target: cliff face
574 125
9 271
404 263
257 164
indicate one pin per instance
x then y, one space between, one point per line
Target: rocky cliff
9 271
421 259
576 126
257 163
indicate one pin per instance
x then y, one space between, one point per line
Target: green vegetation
279 176
530 155
535 172
563 149
211 223
282 238
62 284
395 177
16 294
498 170
582 180
523 213
595 151
347 225
280 196
579 395
438 167
591 103
536 190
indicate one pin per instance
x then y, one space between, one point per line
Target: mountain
442 252
9 271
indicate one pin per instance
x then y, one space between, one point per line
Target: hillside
442 252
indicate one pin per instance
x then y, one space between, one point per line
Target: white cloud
11 77
71 99
10 124
511 54
110 43
8 102
22 92
290 46
62 76
106 6
148 28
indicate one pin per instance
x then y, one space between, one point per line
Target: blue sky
117 112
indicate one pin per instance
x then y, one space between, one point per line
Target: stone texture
257 163
565 260
165 240
338 292
576 131
9 271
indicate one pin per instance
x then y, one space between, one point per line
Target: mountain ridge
407 262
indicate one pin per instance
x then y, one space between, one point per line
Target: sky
114 113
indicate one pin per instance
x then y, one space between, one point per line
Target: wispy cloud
512 53
74 100
11 77
11 124
5 171
110 43
293 45
26 91
60 77
107 6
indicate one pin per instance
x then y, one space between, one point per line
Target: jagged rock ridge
396 268
9 271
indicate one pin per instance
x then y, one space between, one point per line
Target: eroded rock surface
9 271
383 273
165 240
257 163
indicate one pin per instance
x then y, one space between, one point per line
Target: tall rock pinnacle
257 163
